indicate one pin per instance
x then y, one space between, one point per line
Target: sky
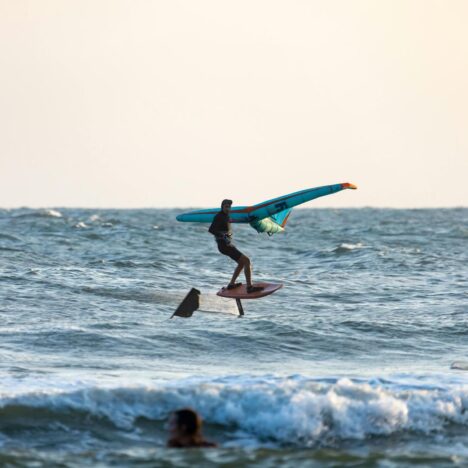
146 103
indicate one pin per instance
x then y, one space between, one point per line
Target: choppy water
348 364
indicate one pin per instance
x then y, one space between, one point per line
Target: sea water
360 360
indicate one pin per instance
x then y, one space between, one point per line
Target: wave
265 458
9 237
289 411
459 365
51 213
10 249
42 213
80 225
346 247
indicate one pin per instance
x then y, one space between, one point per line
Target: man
221 229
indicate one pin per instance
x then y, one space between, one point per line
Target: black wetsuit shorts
229 250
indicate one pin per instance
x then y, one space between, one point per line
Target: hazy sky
144 103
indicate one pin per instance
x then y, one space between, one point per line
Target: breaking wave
291 411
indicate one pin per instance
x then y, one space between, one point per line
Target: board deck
241 291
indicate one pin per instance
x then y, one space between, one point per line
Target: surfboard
241 291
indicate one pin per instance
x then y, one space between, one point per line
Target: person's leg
246 265
248 274
236 273
236 255
243 263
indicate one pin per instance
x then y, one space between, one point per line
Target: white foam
459 365
52 213
346 246
294 410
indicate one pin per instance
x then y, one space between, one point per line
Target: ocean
360 360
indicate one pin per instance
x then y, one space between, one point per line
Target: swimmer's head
185 422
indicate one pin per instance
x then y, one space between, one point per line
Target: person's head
185 423
226 206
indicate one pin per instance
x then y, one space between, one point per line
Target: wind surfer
221 229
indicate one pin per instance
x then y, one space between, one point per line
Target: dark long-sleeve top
221 227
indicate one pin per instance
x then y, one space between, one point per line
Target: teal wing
281 218
282 206
276 211
238 215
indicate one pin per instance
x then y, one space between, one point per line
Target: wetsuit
221 229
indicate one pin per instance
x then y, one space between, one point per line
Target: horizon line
194 207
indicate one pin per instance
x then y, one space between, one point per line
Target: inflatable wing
269 216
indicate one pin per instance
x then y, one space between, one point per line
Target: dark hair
189 418
226 201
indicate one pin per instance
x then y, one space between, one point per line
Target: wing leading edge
269 216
